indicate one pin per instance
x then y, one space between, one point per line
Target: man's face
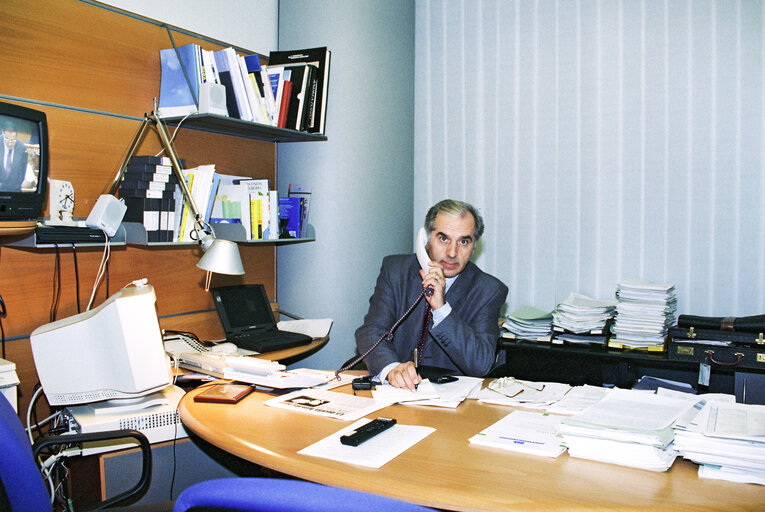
451 243
9 136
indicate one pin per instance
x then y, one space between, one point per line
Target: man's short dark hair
454 208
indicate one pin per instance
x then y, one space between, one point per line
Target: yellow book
256 219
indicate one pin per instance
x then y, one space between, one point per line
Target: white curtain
601 140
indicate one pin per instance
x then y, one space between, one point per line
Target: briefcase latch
760 340
691 333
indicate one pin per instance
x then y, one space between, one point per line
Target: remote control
368 431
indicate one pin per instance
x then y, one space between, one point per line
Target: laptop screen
243 307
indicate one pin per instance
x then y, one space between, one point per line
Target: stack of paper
528 323
523 431
644 313
630 428
582 315
727 439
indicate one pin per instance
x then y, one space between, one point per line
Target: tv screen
24 164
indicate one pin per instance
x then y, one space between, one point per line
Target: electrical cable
101 270
2 331
76 278
56 284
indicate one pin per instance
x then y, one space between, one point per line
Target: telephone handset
422 255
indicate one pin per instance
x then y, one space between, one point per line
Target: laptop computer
248 320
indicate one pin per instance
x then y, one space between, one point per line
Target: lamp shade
222 257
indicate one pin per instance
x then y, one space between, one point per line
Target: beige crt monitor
113 351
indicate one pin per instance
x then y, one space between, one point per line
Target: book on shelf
148 190
199 182
259 76
304 193
301 76
259 114
290 210
320 58
225 76
232 205
179 80
284 104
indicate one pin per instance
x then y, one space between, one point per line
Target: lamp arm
199 222
139 135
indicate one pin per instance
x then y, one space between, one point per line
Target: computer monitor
23 162
112 352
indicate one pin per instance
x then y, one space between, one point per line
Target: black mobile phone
443 379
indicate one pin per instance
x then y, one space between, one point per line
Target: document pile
727 439
522 393
528 323
581 319
523 431
629 428
644 313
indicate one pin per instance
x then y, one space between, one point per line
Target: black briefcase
721 348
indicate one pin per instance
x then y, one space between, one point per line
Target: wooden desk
445 471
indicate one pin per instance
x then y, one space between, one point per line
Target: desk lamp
219 256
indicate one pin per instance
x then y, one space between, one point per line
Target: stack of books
528 323
644 313
580 319
629 428
290 92
149 190
727 439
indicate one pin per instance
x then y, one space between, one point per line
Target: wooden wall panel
95 73
73 53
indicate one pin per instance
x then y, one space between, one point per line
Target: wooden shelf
236 127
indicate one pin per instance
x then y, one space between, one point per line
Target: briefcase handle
724 364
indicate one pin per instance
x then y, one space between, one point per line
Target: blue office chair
282 495
22 488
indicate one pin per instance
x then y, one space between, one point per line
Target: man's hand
435 278
404 376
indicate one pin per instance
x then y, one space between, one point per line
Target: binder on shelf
179 80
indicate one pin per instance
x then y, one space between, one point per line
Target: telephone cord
387 335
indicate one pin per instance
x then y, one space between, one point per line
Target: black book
319 57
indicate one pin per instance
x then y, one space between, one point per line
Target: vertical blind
601 140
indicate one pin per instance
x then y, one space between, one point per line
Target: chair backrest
22 483
283 495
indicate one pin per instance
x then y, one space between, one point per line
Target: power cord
101 270
2 331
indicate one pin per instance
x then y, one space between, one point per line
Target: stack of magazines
644 313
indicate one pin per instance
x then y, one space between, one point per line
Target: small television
110 353
24 162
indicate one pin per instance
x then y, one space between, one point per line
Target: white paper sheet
373 453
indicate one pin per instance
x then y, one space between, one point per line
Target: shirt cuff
441 313
383 375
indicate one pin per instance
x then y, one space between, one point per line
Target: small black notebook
248 321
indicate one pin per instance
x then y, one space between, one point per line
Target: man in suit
14 164
460 333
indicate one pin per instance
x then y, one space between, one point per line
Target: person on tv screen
14 163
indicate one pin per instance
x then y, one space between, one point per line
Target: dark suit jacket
465 342
12 182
